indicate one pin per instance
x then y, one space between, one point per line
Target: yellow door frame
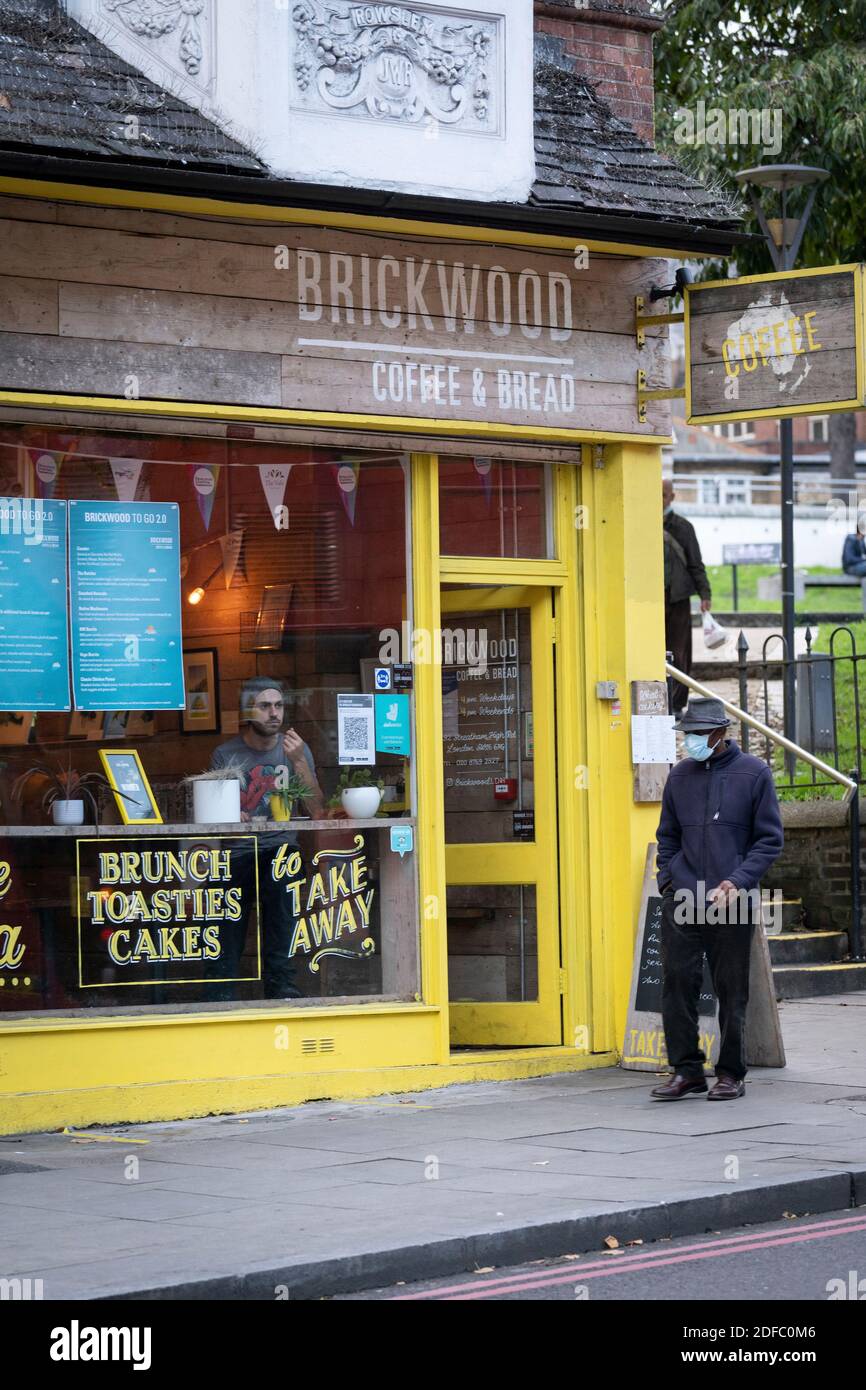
535 863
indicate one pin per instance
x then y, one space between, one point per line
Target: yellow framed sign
775 345
132 791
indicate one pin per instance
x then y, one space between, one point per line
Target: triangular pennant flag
47 470
205 477
347 481
484 468
230 545
274 478
126 473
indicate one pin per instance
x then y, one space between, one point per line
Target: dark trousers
678 637
728 949
277 925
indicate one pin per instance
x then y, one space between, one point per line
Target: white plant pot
361 803
217 801
67 812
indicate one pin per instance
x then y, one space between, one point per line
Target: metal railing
722 489
850 783
826 690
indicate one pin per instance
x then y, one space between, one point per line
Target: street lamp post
784 237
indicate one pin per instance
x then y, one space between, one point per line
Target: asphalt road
805 1258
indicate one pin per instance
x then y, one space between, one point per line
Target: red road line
748 1239
577 1274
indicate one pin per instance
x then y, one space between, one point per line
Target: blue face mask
698 747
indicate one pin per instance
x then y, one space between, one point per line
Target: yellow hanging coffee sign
777 345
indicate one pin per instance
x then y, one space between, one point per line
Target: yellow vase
280 809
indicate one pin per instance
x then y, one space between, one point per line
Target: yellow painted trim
320 419
428 750
467 569
36 1023
848 268
244 1094
858 270
260 212
575 870
533 863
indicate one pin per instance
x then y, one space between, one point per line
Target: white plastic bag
714 634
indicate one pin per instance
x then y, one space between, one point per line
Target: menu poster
34 660
124 577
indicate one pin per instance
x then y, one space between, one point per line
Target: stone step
809 981
807 947
793 913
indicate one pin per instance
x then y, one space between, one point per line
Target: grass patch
814 601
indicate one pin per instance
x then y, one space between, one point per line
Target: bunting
231 545
274 477
205 477
347 481
126 473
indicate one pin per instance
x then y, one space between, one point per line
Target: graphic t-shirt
260 773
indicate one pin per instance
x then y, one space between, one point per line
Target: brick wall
815 864
608 42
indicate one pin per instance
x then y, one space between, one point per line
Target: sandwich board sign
644 1043
775 345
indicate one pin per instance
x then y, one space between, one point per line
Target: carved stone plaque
410 64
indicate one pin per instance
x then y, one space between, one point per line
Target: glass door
498 725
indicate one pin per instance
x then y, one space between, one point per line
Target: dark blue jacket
853 552
720 820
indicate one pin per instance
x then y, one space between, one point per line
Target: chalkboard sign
648 995
644 1047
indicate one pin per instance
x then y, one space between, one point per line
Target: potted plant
67 791
359 793
282 802
216 794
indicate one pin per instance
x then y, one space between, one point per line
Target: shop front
335 532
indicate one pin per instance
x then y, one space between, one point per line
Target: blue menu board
124 581
34 656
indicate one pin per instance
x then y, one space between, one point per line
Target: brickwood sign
775 345
315 320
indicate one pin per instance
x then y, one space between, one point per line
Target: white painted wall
425 98
818 532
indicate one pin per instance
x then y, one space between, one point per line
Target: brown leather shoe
679 1086
727 1088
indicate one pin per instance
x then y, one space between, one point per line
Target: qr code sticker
355 735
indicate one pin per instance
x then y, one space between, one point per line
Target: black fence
826 690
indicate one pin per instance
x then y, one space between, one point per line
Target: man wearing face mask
720 830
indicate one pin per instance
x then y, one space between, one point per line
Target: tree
800 66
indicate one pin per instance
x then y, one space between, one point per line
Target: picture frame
132 791
201 714
273 616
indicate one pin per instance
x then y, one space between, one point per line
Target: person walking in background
720 830
684 575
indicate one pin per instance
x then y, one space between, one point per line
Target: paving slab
334 1196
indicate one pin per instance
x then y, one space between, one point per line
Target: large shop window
253 838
